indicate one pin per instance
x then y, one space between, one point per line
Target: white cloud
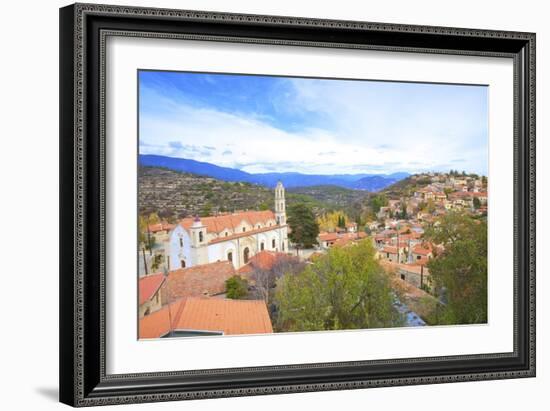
366 131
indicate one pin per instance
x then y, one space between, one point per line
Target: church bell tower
280 208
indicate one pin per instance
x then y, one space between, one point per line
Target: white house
235 237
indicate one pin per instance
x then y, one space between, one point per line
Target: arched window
246 254
200 237
262 246
273 243
182 263
230 256
181 242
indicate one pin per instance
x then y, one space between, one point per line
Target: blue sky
313 126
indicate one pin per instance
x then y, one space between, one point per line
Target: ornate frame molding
83 42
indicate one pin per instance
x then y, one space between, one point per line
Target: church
234 237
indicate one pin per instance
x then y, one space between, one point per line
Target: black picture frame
83 29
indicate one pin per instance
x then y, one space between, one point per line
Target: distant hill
368 182
174 194
337 197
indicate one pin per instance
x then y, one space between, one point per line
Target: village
215 275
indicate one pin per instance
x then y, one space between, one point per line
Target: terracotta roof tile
149 285
229 316
218 223
264 260
208 314
200 280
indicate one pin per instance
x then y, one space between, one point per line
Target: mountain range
368 182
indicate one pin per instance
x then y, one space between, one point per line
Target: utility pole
165 273
145 261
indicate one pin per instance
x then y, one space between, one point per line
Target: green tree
460 272
403 214
344 289
378 202
303 226
236 287
206 210
341 222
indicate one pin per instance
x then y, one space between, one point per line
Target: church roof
242 234
216 224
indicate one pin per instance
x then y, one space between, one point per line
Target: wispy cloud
264 124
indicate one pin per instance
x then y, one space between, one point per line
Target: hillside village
222 272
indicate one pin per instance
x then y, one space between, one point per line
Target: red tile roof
218 223
200 280
389 249
158 323
149 285
208 314
242 234
264 260
422 249
229 316
163 226
328 236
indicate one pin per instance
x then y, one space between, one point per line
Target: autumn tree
332 220
303 226
344 289
460 271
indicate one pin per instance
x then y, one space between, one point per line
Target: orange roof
422 249
160 322
241 234
149 285
218 223
200 280
162 226
389 249
229 316
264 260
328 236
208 314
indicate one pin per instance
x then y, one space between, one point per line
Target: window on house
418 257
273 243
283 246
201 237
230 256
226 233
246 255
181 242
403 277
262 246
244 229
182 263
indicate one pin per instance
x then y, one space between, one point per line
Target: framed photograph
262 204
